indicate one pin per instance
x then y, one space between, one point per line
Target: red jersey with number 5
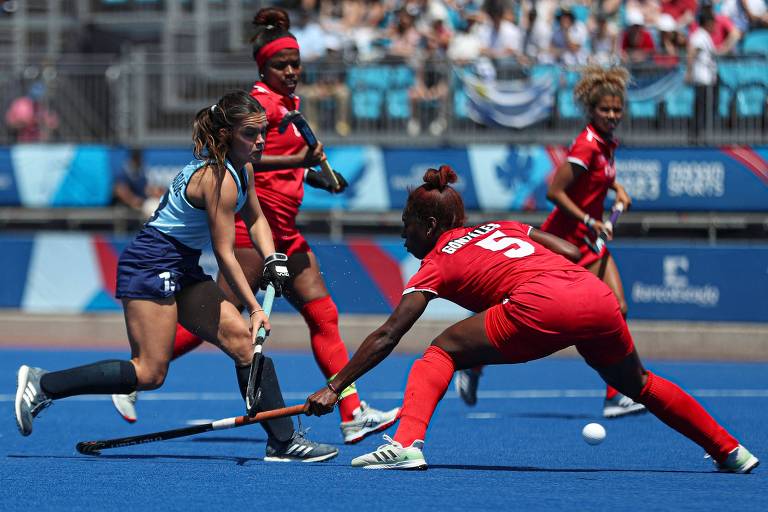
588 191
477 267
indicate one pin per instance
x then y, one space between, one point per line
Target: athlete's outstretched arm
220 204
374 349
258 227
556 244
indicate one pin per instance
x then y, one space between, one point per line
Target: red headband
271 48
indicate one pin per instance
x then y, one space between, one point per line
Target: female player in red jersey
160 281
279 183
529 302
579 190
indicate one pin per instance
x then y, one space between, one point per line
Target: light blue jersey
176 217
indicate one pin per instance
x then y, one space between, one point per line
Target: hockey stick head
294 117
89 447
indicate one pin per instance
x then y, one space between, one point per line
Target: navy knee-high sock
280 429
101 378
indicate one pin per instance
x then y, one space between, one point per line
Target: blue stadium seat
750 100
366 104
756 41
545 70
400 77
645 109
725 96
679 102
398 104
566 105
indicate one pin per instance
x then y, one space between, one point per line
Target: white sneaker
126 406
30 398
738 461
621 405
367 420
393 456
466 382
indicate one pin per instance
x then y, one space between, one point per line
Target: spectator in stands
502 39
603 40
569 39
29 119
725 35
701 72
536 37
405 39
466 45
684 13
650 9
746 14
132 188
636 46
668 52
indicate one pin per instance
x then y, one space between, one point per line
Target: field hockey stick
253 391
603 236
94 447
301 124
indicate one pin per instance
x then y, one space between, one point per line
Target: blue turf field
519 448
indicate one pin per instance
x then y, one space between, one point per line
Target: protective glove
275 272
321 180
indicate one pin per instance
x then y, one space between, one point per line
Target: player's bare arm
376 347
565 175
258 227
621 195
220 206
556 244
304 158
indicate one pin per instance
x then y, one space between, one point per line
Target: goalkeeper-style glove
275 272
317 179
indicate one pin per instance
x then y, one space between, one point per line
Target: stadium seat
398 104
756 41
750 100
566 105
645 109
678 103
366 104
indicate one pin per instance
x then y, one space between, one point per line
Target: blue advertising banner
694 282
491 177
702 179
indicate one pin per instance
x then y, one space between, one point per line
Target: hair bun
439 178
272 18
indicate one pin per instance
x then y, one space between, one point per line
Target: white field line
521 394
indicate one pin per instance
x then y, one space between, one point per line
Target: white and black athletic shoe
393 455
126 406
30 398
621 405
299 449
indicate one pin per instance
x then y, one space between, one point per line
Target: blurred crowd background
447 71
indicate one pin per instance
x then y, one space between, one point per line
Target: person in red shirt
636 43
579 190
279 181
529 301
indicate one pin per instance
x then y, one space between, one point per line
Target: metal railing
150 99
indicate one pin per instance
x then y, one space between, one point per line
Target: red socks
683 413
331 355
610 392
427 382
185 342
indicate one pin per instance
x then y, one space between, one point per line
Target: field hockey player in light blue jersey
160 281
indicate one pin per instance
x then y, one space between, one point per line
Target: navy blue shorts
157 266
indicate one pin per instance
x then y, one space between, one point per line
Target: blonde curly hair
597 82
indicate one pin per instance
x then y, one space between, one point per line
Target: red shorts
588 256
555 310
286 235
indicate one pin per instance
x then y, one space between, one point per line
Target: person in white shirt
701 72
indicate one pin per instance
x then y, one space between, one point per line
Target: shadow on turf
530 469
240 461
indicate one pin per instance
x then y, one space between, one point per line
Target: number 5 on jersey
498 241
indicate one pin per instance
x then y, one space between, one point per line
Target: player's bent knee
150 376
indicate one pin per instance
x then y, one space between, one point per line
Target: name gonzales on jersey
457 243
